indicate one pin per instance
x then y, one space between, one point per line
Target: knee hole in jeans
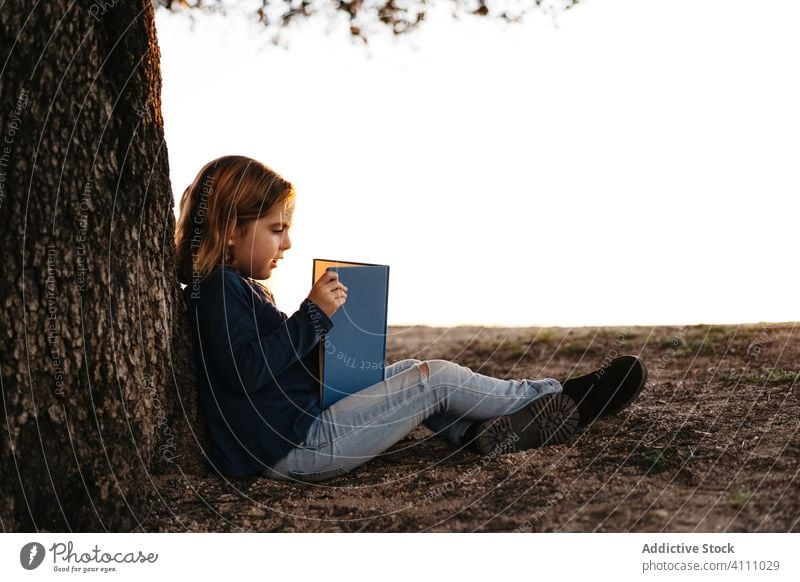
425 371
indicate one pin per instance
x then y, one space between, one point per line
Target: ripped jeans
360 426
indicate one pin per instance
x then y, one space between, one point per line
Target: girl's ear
235 234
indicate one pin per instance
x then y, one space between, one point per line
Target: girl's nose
286 242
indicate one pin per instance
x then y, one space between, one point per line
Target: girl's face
259 244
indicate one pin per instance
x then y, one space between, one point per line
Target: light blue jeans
358 427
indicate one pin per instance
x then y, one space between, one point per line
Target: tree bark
97 378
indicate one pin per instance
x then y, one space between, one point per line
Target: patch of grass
780 375
676 342
714 340
489 346
503 349
572 349
518 352
655 461
546 334
728 375
739 497
764 375
578 347
472 362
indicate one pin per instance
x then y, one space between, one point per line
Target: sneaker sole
607 391
550 420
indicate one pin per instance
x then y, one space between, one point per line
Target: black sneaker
549 420
607 390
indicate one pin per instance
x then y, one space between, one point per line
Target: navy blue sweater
258 370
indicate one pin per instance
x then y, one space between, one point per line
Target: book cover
352 355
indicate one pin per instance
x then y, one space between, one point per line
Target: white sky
635 162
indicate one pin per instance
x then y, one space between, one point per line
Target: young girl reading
258 368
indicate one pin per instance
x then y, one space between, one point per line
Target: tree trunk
97 379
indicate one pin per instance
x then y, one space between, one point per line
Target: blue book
352 355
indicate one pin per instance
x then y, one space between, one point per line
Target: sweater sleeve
283 341
254 343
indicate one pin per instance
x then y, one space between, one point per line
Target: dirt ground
712 444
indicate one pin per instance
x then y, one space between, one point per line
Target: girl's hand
328 293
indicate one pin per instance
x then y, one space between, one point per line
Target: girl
258 369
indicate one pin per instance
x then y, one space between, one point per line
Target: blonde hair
227 193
